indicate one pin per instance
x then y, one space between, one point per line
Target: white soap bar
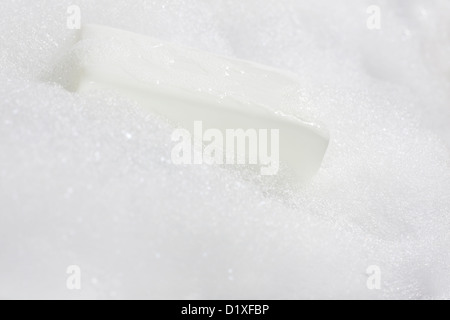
186 86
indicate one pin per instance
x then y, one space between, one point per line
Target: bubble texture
87 180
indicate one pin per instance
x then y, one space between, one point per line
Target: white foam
86 179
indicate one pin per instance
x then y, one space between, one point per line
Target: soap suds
86 179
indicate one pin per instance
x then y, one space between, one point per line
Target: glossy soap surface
186 85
